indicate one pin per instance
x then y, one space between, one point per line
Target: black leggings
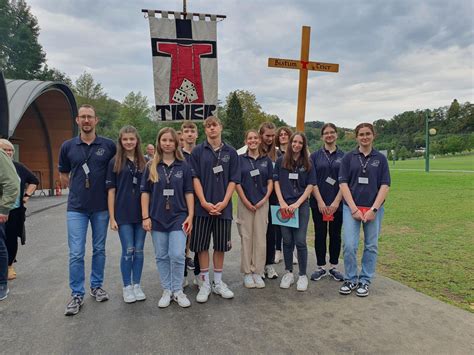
14 230
321 229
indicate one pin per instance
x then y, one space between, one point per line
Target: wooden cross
303 65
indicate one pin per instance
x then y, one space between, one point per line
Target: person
267 148
150 152
123 183
15 226
216 170
282 138
167 212
254 190
364 180
9 190
180 138
190 135
83 163
294 178
325 203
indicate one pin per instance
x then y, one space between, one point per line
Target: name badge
293 176
254 172
86 169
273 163
330 181
168 192
135 180
217 169
363 180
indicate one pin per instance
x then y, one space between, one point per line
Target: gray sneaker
4 292
318 274
99 294
336 275
74 305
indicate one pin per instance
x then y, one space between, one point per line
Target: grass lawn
465 162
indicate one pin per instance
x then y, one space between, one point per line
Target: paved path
393 319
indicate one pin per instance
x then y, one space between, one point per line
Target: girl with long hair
254 191
364 180
123 183
294 177
167 212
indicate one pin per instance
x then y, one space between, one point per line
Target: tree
453 111
87 88
234 128
21 55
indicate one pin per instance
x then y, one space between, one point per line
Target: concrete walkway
393 319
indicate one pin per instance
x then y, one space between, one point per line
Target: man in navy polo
83 162
215 169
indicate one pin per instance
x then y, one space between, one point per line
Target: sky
393 56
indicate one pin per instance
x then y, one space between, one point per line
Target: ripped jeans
132 238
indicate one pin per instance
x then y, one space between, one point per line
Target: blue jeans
132 238
351 233
3 256
170 254
296 236
77 223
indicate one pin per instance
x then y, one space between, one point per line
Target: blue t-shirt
293 189
255 187
72 156
176 177
327 171
205 164
376 171
127 192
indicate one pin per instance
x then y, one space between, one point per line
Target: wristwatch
26 195
374 209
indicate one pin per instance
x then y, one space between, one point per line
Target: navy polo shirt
181 181
327 165
377 172
255 187
203 160
127 194
187 156
293 189
73 154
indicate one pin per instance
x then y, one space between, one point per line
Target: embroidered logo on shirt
264 164
179 174
302 169
338 160
226 158
375 163
100 152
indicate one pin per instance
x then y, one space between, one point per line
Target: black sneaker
347 287
336 275
190 263
74 305
362 290
318 274
99 294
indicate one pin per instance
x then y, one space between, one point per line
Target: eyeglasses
86 117
330 133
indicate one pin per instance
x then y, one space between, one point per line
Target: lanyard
253 168
86 156
132 167
168 176
362 165
217 156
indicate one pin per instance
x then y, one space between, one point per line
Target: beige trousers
252 229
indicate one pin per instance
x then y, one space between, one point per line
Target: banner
184 67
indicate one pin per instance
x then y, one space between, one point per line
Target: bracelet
353 213
26 195
144 219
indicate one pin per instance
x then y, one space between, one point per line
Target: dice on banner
191 94
186 85
179 96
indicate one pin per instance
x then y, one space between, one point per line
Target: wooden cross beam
303 65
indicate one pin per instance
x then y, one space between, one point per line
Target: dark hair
364 125
120 156
326 125
277 134
263 149
303 160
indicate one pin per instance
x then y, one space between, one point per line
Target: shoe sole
202 301
225 297
250 286
128 302
182 306
301 290
6 295
163 306
319 278
271 278
141 299
362 294
259 286
285 288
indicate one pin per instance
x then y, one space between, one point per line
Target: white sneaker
222 289
295 258
165 299
302 283
185 282
259 283
197 281
181 299
270 272
248 281
278 256
128 294
139 294
287 280
204 292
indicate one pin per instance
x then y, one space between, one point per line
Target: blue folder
278 219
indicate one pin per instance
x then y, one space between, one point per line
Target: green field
465 162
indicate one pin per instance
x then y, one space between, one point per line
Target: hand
369 216
147 224
188 225
260 203
358 216
322 208
333 208
293 207
220 206
284 206
113 225
25 199
3 218
249 206
208 206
